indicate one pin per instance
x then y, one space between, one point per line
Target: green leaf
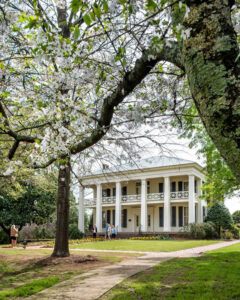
87 19
151 5
75 5
105 6
97 10
122 2
76 33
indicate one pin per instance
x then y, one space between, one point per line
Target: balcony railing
155 197
89 202
179 195
131 198
108 200
137 198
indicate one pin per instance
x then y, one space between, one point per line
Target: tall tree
81 61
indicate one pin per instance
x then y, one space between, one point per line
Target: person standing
113 232
109 232
13 235
106 230
94 231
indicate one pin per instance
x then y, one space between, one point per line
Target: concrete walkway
93 284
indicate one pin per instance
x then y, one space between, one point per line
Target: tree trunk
212 63
61 247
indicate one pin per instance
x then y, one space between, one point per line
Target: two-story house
158 194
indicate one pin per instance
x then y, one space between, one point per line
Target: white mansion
158 194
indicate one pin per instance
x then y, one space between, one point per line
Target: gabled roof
147 163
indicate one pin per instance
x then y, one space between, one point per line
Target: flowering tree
69 68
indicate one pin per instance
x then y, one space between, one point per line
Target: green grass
30 288
233 248
210 277
141 245
18 268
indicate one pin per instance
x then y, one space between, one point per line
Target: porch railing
108 200
155 197
89 202
179 195
131 198
137 198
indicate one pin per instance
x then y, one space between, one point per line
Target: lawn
212 276
26 272
141 245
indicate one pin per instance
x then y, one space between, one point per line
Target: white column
191 200
199 193
99 208
118 207
81 209
144 205
167 212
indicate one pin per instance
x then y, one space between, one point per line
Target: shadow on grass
212 276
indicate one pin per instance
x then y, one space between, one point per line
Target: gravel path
95 283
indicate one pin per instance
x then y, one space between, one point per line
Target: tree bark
212 63
61 247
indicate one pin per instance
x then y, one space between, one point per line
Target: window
109 216
204 212
114 192
148 188
137 221
160 187
173 186
180 216
161 216
185 186
195 186
106 192
113 217
185 216
124 191
138 188
149 220
124 218
180 186
174 216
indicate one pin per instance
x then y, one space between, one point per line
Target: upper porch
130 191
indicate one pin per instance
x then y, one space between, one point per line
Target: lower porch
131 218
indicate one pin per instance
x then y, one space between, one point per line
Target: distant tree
220 216
219 181
34 205
236 217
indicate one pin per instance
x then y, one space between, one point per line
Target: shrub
151 237
210 230
74 232
4 238
236 217
227 235
235 231
201 231
220 216
35 232
197 231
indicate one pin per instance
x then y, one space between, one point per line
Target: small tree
236 217
220 216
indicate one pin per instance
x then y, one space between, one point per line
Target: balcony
179 195
158 197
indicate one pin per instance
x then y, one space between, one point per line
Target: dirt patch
73 259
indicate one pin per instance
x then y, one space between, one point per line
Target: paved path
93 284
